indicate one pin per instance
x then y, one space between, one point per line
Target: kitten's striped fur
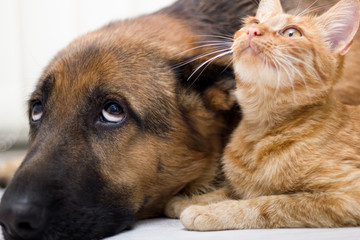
294 160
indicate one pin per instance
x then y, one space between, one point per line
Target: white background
32 32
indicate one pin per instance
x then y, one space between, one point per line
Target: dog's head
116 130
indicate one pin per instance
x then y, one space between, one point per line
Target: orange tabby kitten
294 160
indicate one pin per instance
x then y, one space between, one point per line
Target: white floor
165 229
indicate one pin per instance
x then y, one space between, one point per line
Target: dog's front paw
176 206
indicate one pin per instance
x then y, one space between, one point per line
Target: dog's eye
37 111
112 113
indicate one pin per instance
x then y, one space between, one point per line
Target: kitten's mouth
251 48
247 50
254 55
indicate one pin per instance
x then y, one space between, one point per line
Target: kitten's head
294 52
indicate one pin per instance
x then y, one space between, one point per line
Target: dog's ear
204 64
207 70
213 87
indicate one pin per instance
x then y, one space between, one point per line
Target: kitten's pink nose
253 32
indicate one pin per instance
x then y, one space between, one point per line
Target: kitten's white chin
251 68
249 55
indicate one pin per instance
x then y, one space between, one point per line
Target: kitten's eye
36 111
291 33
112 113
254 23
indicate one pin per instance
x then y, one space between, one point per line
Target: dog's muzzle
56 201
22 219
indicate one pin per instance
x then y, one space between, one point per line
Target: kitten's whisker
209 61
296 12
298 60
213 41
306 10
206 65
256 2
218 36
316 75
313 9
289 74
277 66
198 57
286 61
198 47
227 66
266 61
281 47
289 65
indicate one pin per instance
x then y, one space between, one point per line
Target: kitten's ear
340 24
269 6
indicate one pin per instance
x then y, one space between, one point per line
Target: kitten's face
282 51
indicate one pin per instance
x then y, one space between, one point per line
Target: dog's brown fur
101 176
174 130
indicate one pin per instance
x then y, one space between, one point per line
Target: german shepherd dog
118 127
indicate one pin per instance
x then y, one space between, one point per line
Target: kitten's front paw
200 218
175 206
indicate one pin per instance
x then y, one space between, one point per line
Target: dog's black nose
23 219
